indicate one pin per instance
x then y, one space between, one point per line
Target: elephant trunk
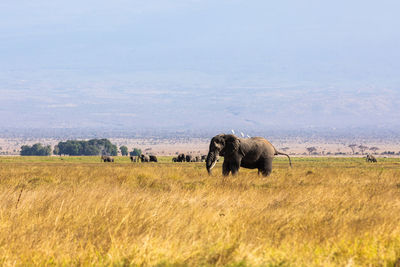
211 160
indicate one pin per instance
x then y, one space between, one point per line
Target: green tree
362 148
136 152
87 148
35 150
352 147
124 150
311 150
374 149
26 150
56 150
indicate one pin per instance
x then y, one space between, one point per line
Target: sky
199 64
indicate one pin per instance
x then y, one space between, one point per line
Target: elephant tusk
214 162
212 165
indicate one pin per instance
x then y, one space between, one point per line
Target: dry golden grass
323 212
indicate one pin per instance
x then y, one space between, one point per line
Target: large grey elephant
251 153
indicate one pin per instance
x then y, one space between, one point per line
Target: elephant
371 158
181 158
153 158
107 158
251 153
189 158
197 159
144 158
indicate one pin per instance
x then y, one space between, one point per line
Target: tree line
92 147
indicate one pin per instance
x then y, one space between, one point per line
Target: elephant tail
281 153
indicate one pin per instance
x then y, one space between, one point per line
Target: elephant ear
232 144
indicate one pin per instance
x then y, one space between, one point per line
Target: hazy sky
188 64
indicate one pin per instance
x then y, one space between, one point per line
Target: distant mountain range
199 66
198 101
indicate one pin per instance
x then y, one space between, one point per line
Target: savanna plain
79 211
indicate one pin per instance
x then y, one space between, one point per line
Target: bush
35 150
86 148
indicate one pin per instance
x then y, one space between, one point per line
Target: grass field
78 211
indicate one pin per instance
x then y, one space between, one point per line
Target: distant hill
48 99
199 66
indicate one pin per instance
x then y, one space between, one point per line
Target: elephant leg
267 169
266 172
235 172
235 168
226 168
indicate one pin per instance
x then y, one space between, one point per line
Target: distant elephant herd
251 153
144 158
189 158
151 158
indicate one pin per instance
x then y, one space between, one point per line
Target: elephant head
221 145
